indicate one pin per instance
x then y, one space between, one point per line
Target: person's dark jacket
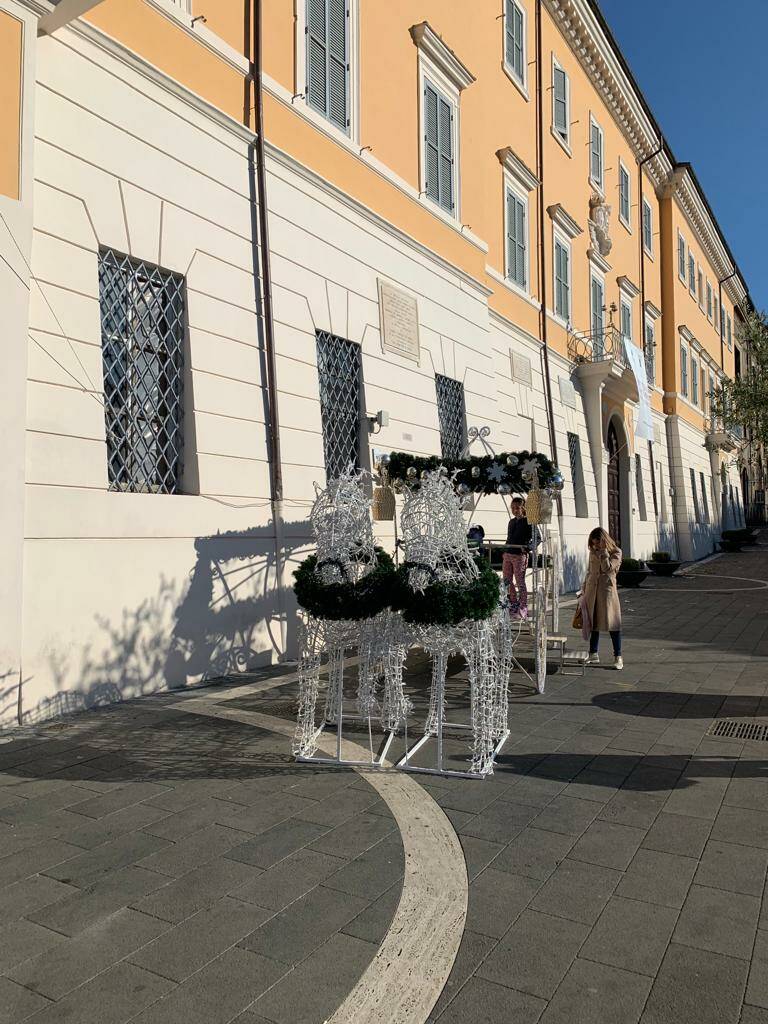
519 532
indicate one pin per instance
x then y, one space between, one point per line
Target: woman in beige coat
601 598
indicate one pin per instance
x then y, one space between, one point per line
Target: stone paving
160 866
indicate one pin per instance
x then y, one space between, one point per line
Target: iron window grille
338 369
451 415
142 342
696 511
654 492
577 476
704 497
640 485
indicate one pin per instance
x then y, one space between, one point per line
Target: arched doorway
614 485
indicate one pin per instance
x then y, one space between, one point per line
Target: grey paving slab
631 935
722 922
483 1002
18 1003
354 837
732 867
277 842
697 797
194 850
292 934
314 989
590 784
178 825
496 900
90 833
500 821
567 815
342 806
472 952
372 872
753 1015
537 792
89 906
698 986
678 833
287 881
608 844
87 868
195 890
632 807
31 895
17 866
746 792
757 986
188 794
593 993
535 953
21 940
534 852
37 809
741 825
478 853
267 812
373 923
108 803
71 963
654 877
577 891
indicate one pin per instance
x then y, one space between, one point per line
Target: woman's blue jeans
594 640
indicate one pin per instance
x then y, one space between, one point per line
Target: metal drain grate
732 729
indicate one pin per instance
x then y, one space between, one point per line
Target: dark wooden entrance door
614 488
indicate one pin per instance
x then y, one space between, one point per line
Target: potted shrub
661 563
732 540
631 573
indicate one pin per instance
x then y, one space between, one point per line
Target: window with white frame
517 237
683 370
650 349
647 227
626 320
730 336
562 251
596 162
625 195
709 300
680 256
722 321
561 103
514 41
439 147
691 273
717 315
327 59
694 379
597 314
700 284
704 392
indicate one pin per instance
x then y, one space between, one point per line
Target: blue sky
702 68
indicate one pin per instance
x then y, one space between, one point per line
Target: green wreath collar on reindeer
446 604
361 600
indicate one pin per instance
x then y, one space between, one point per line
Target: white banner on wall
636 360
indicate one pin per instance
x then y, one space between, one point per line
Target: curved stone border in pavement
761 584
405 978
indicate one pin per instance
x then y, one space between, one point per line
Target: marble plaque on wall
399 316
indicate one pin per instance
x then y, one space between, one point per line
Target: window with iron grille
654 492
338 370
142 344
577 476
704 498
696 512
452 416
640 485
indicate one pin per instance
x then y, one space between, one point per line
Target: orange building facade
473 221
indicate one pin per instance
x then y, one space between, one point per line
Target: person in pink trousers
515 562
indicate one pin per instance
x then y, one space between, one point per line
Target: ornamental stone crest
599 222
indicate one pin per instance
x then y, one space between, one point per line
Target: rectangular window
338 371
704 498
711 393
451 416
691 273
709 300
142 311
562 280
696 512
626 320
647 227
681 256
694 380
701 288
577 476
684 370
517 239
722 321
704 393
730 336
596 153
514 40
661 494
650 351
625 200
597 310
654 492
327 59
640 486
561 119
438 147
717 315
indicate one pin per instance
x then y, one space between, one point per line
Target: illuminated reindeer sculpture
450 604
347 568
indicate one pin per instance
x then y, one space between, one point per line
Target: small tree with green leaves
744 401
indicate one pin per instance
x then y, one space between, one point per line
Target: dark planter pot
664 568
631 577
734 546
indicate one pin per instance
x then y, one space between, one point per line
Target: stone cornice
585 36
430 43
564 220
519 170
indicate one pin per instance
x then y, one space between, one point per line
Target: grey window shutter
596 166
516 239
511 240
560 86
597 307
317 55
445 133
338 67
431 143
514 39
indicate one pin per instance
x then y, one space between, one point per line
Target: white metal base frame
405 764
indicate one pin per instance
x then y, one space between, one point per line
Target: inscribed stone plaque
521 368
399 314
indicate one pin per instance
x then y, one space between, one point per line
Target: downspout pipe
542 253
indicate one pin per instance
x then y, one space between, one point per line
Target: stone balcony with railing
726 436
608 344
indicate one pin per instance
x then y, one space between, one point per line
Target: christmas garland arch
360 600
505 473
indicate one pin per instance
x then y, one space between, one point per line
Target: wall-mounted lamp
379 419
